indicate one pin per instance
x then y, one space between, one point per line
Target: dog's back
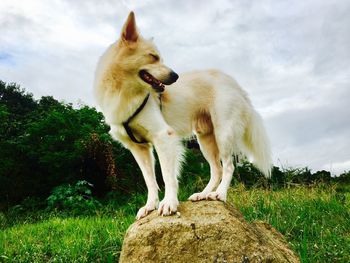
212 101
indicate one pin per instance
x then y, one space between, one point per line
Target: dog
146 104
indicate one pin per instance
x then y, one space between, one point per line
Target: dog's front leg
144 157
169 150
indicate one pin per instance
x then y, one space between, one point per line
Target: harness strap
160 101
126 123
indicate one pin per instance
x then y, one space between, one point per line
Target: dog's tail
257 144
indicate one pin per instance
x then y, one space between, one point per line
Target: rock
205 231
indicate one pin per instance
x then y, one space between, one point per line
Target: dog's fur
208 103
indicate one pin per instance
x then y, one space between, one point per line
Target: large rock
205 231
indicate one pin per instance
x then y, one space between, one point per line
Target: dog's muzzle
156 84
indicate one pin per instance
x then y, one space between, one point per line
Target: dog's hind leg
221 191
210 151
225 139
144 157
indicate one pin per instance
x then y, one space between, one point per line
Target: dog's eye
154 57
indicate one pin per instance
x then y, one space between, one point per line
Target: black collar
126 123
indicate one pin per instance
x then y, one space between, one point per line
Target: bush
47 143
249 175
77 197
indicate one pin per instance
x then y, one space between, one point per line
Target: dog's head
140 58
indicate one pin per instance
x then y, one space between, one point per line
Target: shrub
98 165
45 143
77 197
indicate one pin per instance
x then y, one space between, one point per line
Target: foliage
77 197
98 165
250 176
313 219
195 174
72 239
343 178
46 143
18 102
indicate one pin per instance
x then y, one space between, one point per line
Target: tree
43 143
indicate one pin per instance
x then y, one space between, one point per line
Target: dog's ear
129 32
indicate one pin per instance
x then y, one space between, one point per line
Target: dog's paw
168 206
145 210
197 197
216 196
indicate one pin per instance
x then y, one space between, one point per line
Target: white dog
142 113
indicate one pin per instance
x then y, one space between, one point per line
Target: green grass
315 221
73 239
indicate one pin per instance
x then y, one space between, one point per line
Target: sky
292 57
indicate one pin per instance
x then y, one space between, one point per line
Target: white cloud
292 58
338 167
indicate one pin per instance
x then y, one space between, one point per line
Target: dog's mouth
149 79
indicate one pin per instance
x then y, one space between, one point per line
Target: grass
65 240
314 220
95 238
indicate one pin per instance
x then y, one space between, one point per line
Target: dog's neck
131 97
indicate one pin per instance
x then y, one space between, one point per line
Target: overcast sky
292 57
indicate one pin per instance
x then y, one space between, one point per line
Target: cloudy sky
292 57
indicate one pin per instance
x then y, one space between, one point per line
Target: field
64 159
315 221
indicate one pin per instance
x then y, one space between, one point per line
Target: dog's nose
173 76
